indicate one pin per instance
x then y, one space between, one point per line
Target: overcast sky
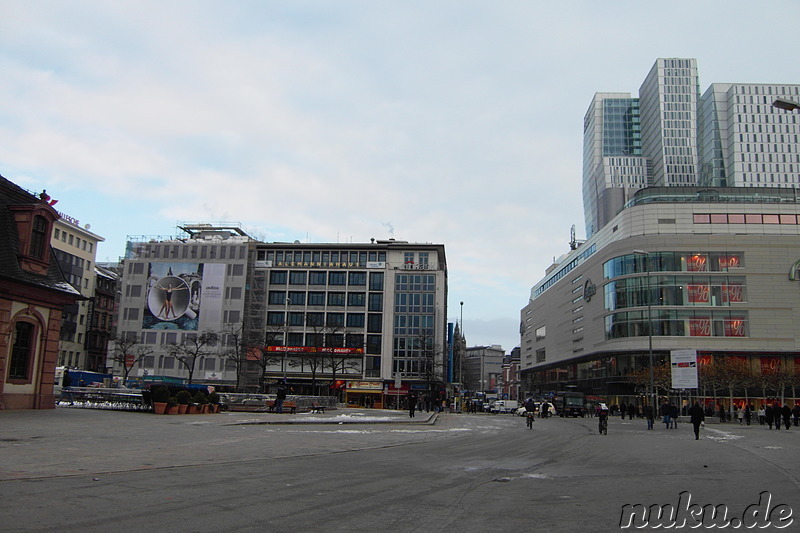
454 122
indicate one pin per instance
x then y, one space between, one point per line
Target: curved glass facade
695 300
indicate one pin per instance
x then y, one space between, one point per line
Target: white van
505 406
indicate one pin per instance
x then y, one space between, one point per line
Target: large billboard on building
184 296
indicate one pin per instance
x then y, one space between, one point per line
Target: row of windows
675 291
189 251
672 262
415 282
331 320
323 257
373 300
740 218
71 239
677 323
565 270
324 278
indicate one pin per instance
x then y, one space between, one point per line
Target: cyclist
602 415
530 411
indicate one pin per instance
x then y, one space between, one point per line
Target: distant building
75 248
483 368
33 293
101 318
366 321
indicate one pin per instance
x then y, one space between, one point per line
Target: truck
571 403
504 406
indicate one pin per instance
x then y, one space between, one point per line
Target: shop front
364 394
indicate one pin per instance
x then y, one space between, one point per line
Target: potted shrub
184 397
201 400
160 399
172 405
213 399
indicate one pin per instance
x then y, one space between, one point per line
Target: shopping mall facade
714 270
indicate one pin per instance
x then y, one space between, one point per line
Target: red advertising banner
699 294
730 261
129 360
314 349
699 327
734 328
770 364
733 293
697 263
704 359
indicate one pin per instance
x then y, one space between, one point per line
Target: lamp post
285 339
651 387
461 344
786 104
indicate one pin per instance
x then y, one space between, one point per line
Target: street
84 470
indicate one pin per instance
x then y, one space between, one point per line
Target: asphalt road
82 470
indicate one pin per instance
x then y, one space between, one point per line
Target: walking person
786 413
697 418
762 416
776 415
649 415
665 413
673 415
796 414
280 397
748 413
623 409
412 404
631 411
769 415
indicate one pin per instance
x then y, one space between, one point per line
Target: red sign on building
700 327
699 294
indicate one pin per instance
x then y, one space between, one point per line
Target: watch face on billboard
173 296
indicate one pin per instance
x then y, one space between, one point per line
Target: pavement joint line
431 420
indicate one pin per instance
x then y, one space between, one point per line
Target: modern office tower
75 248
613 165
668 100
744 141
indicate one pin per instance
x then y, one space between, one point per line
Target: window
356 299
337 278
297 278
315 319
296 319
317 278
336 298
374 344
335 319
235 293
275 318
375 323
375 301
316 298
358 278
355 320
277 277
38 237
297 298
22 352
277 297
376 281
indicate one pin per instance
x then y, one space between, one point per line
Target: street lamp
651 387
461 344
285 339
786 104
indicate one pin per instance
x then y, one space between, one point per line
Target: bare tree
127 352
193 347
259 355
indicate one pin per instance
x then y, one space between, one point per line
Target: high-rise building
744 140
669 136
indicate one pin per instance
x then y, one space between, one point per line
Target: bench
317 408
288 405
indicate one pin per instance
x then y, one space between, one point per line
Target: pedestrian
649 415
762 416
748 413
769 415
697 418
721 412
776 415
280 397
623 409
673 415
796 414
740 416
631 411
786 413
412 404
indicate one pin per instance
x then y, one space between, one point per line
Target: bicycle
529 418
603 425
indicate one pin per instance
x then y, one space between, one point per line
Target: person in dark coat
631 411
796 414
748 413
280 396
623 408
786 413
776 415
66 380
697 418
673 415
649 415
769 415
412 404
